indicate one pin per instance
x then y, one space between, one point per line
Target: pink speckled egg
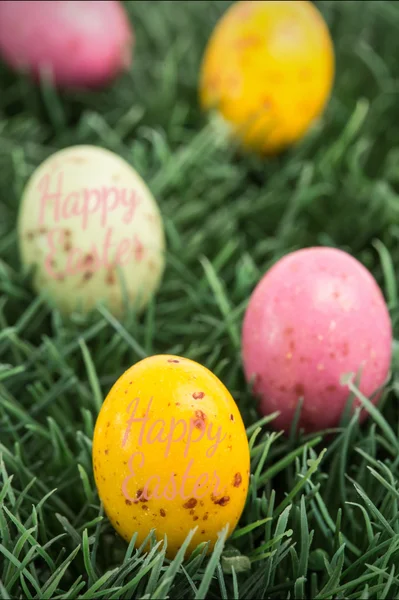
316 315
83 44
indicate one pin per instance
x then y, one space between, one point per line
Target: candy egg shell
85 44
268 71
199 479
89 223
315 315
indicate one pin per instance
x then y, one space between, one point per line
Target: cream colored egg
92 229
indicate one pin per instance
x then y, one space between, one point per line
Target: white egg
92 228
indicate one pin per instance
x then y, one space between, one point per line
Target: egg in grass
268 72
314 317
92 230
79 44
170 453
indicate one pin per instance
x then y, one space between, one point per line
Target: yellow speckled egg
268 70
170 453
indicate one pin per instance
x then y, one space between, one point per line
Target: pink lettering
153 489
87 209
49 262
216 491
44 187
131 203
124 248
79 261
199 484
87 202
145 420
217 437
107 244
173 435
106 205
184 480
155 493
169 438
131 420
131 474
158 436
195 425
67 211
173 491
71 268
138 249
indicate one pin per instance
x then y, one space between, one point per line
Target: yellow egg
268 70
170 453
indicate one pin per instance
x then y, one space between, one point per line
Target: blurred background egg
316 315
83 44
268 71
92 229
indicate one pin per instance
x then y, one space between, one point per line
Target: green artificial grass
321 519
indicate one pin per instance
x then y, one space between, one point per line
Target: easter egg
170 453
316 315
82 44
91 228
268 71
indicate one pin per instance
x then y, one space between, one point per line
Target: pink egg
316 315
85 44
